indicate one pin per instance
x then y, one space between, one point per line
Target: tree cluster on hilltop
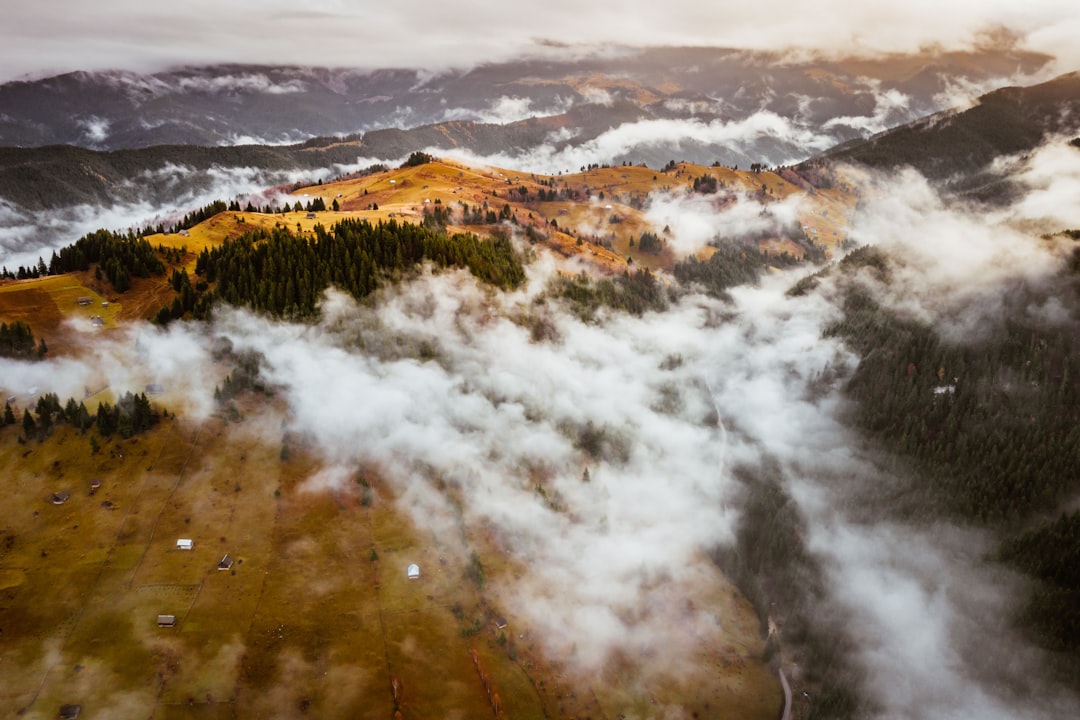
285 274
119 257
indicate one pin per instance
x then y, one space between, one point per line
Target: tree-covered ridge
17 341
284 274
119 257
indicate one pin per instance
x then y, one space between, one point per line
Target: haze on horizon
128 35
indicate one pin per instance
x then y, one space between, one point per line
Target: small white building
166 620
185 544
413 572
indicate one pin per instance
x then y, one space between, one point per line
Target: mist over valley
666 382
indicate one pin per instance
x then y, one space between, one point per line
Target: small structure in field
59 498
413 572
84 300
500 623
97 321
310 216
185 544
185 233
226 563
154 388
69 712
95 485
166 621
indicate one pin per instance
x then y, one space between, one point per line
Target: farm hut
500 623
84 300
310 216
69 712
185 544
185 233
95 485
226 563
59 498
97 321
154 388
413 572
166 621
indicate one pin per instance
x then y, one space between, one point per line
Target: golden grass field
317 617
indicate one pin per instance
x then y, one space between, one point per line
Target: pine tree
29 426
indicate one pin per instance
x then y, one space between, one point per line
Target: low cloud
891 107
695 220
95 129
764 135
506 109
954 262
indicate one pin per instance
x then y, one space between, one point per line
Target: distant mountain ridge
235 104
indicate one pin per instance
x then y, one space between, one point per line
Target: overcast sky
39 39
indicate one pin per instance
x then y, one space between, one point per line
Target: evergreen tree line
284 274
17 341
730 265
131 415
195 217
634 292
120 256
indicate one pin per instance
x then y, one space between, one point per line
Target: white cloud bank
132 35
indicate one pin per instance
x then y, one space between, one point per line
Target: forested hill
959 147
988 428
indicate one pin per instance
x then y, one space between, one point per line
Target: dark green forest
988 425
284 274
17 341
131 415
634 292
732 264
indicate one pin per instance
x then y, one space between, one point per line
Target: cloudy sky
136 35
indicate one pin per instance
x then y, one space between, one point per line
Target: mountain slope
959 148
